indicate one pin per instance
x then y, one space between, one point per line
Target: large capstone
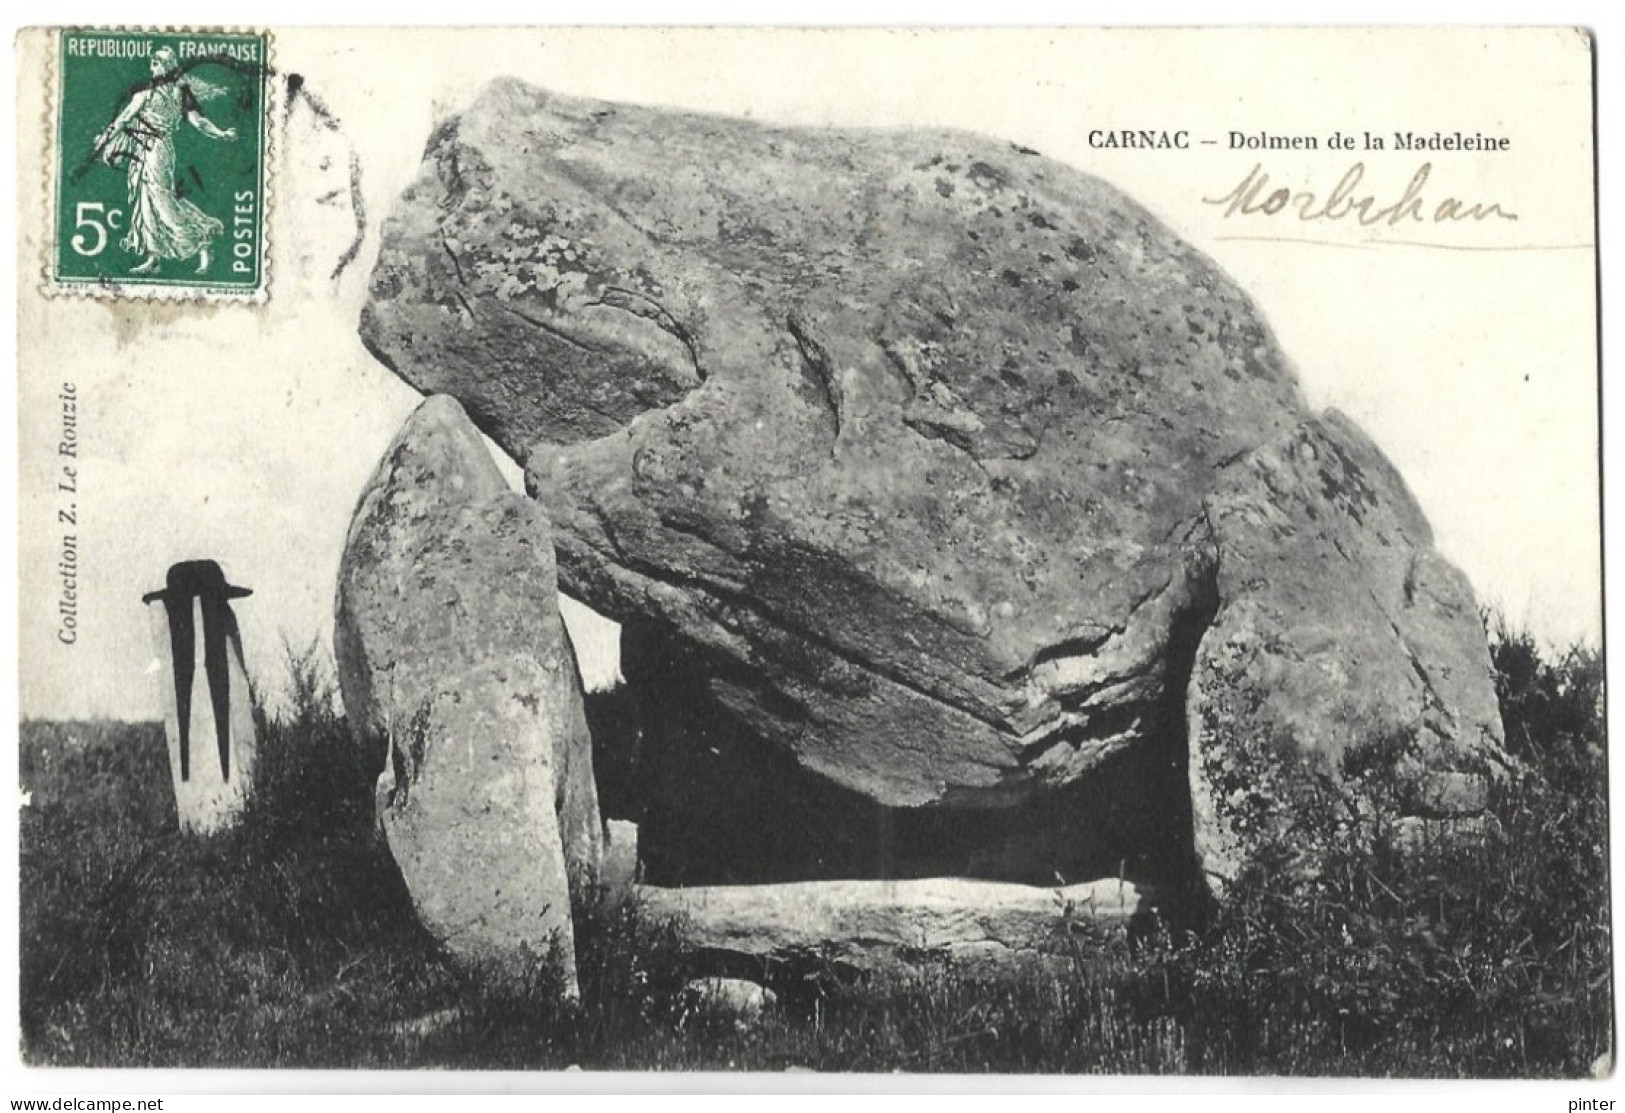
905 451
459 680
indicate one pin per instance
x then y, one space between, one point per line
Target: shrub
311 779
1486 952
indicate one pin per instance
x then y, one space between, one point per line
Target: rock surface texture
459 679
1342 646
941 466
736 999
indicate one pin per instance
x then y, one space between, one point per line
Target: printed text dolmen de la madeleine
1136 139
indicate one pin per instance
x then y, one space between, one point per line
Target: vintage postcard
1049 551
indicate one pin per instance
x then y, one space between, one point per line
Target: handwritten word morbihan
1253 196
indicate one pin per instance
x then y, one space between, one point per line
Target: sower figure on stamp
141 139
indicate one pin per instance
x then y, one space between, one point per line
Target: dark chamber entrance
717 806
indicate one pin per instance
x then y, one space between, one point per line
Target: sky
246 433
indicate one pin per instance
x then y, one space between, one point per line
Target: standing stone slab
460 682
208 710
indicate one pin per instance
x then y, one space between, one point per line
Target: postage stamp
159 175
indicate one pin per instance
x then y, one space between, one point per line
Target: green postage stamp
160 166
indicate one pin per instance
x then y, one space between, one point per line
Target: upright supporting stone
208 720
462 688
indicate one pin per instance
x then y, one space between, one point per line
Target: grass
290 942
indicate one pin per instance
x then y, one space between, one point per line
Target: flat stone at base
876 925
